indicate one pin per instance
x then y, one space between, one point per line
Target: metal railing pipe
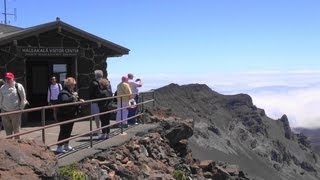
43 123
83 134
121 115
91 119
72 120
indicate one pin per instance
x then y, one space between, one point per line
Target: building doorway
38 72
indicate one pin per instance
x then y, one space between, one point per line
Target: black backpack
104 104
92 89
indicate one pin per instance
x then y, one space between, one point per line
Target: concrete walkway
82 144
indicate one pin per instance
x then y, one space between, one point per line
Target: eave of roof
4 28
24 33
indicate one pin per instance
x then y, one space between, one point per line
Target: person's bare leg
16 123
97 120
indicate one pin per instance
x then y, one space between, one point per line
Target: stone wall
93 56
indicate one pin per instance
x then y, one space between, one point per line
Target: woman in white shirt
53 92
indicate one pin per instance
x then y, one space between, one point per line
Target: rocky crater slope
26 159
161 153
230 128
313 135
201 135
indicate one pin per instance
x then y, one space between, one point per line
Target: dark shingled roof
7 29
9 33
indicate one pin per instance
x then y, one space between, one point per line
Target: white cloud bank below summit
300 105
294 93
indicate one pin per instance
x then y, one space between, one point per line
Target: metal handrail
70 121
89 132
43 108
61 105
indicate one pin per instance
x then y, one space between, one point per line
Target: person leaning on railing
67 95
104 105
94 93
122 89
134 85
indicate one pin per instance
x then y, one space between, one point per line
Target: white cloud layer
294 93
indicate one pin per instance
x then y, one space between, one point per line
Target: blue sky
232 45
188 36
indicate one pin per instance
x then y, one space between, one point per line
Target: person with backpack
53 91
12 98
94 93
2 82
104 106
67 95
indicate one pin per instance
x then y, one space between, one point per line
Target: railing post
43 123
142 107
142 100
121 124
154 99
91 119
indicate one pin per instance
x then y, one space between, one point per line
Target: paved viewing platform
82 144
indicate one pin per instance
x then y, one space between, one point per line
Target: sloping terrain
160 153
313 135
231 129
26 159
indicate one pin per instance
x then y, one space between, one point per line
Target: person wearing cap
134 85
12 98
123 88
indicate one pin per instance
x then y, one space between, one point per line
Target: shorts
95 108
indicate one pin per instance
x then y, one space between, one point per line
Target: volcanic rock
26 159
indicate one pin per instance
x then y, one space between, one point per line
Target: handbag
132 104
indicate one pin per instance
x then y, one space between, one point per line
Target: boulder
176 131
287 130
26 159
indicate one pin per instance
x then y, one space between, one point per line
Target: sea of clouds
294 93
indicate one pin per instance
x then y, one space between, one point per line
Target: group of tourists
127 90
13 98
128 86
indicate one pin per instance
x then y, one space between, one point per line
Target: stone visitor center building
56 48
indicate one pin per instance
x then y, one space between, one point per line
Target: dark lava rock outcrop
161 153
26 159
231 128
309 137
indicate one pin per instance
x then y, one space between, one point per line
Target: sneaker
60 149
96 133
68 148
136 123
102 137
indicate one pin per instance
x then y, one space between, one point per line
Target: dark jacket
104 104
65 96
94 90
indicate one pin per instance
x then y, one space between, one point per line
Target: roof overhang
35 30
